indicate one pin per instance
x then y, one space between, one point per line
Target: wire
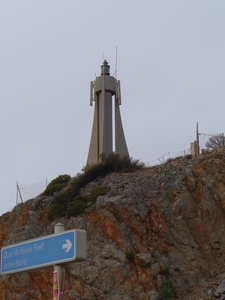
209 134
185 152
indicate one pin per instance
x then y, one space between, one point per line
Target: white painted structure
102 91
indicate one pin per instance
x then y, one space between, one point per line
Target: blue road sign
45 251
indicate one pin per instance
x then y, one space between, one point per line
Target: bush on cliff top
57 184
65 191
69 203
99 190
112 163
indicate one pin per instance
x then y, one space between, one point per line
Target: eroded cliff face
128 236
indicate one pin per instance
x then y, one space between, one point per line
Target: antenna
116 64
115 73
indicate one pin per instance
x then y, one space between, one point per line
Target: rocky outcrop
168 215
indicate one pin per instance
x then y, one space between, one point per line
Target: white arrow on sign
67 246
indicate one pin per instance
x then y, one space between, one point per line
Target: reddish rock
172 215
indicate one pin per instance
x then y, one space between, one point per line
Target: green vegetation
67 200
99 190
130 255
75 208
55 211
58 206
4 215
70 203
57 184
168 291
113 163
164 271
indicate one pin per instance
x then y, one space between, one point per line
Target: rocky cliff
160 223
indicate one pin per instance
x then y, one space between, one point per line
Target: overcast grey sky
171 64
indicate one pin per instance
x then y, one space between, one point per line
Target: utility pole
197 139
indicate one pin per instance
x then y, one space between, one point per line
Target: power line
208 134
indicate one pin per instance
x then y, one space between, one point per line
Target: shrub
58 206
108 164
75 208
57 184
56 211
89 175
99 190
164 271
167 292
82 198
130 255
67 202
169 160
5 215
116 163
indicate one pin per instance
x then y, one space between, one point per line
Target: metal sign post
55 286
58 270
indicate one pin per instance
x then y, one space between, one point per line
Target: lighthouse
104 89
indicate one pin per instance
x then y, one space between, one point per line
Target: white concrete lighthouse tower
102 91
